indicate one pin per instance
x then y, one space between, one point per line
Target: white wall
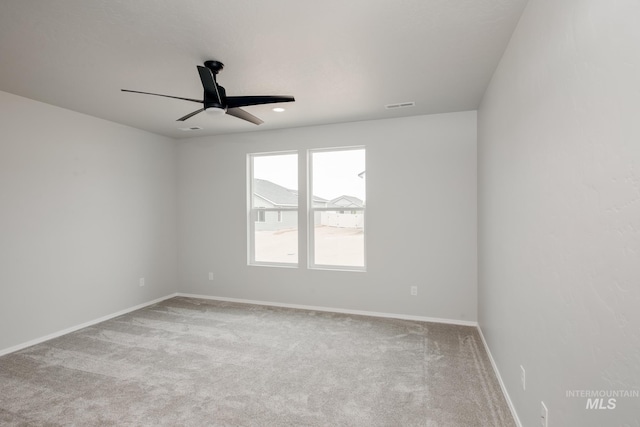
87 208
421 218
559 210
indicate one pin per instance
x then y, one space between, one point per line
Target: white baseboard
243 301
502 386
335 310
83 325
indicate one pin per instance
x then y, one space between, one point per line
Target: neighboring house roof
347 202
316 199
278 195
275 194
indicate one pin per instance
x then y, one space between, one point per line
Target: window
337 214
335 209
273 213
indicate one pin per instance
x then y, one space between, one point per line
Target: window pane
277 241
339 178
338 182
274 202
275 181
339 238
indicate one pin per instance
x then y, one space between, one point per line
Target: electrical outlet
142 281
544 416
414 290
210 276
522 377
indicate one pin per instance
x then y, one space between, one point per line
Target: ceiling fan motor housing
215 101
211 99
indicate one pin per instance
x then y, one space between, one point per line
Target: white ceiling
343 60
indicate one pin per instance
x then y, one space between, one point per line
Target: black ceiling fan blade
208 82
165 96
241 114
243 101
182 119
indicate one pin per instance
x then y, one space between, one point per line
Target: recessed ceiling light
192 128
278 109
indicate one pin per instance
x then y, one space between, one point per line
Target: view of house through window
274 209
336 215
336 207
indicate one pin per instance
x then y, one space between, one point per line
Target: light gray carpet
193 362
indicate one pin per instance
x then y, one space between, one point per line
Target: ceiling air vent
190 129
399 105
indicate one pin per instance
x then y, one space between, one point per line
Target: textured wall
87 208
559 210
421 218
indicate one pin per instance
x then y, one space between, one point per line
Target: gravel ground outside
333 246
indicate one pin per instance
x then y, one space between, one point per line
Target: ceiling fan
216 100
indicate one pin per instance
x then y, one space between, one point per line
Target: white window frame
252 212
311 210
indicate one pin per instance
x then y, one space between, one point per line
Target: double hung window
273 214
331 221
336 211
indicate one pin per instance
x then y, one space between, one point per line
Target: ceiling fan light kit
215 111
215 100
